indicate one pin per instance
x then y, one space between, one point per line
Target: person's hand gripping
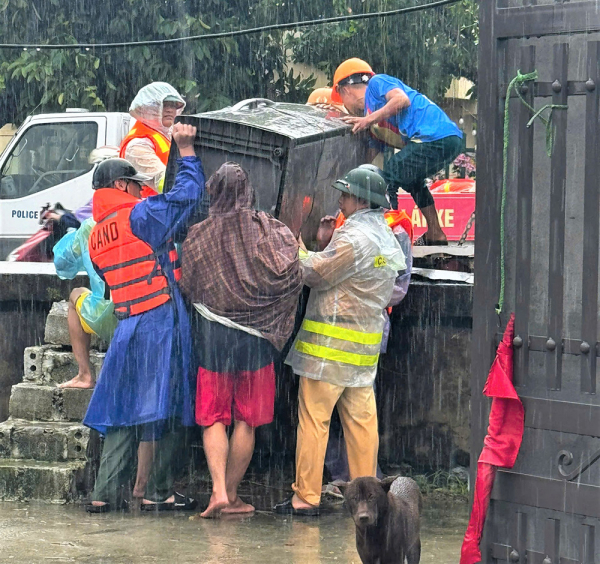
184 135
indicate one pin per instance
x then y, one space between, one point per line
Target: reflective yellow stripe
337 355
341 333
162 143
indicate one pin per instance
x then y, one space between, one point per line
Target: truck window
47 155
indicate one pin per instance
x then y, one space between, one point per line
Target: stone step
33 402
51 364
49 441
55 482
57 328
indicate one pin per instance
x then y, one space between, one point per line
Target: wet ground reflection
32 533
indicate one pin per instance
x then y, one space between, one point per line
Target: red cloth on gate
501 444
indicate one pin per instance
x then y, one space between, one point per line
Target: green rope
515 83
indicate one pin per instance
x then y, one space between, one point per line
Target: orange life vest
399 217
162 145
129 266
393 218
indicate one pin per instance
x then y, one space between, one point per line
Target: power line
233 33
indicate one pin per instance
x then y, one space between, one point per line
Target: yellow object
340 338
327 353
78 305
341 333
358 414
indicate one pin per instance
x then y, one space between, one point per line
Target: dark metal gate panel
546 509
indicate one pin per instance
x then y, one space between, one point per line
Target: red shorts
251 394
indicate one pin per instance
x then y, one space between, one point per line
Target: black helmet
116 169
366 184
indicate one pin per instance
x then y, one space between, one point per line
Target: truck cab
47 161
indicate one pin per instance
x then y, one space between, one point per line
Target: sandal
286 508
180 503
422 242
91 508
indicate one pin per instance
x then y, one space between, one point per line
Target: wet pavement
39 533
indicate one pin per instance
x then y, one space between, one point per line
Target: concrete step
33 402
57 328
55 482
50 441
51 364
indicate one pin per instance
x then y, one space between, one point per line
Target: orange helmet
346 69
320 96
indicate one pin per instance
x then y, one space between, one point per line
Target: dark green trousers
119 461
409 168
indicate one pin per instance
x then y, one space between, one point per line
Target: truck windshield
47 155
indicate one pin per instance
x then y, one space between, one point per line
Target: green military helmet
364 183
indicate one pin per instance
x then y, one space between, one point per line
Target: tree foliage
424 49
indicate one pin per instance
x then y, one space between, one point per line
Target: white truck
47 161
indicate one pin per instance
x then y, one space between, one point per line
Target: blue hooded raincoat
146 376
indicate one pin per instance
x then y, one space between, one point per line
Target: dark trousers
409 168
118 464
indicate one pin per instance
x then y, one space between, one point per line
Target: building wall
6 134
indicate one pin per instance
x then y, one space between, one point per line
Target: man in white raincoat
147 145
337 348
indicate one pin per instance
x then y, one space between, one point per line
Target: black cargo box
292 153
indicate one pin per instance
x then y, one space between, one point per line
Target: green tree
425 49
210 74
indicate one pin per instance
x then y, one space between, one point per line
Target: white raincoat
351 283
147 107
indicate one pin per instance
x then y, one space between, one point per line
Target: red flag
501 444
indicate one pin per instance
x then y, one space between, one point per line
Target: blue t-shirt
422 121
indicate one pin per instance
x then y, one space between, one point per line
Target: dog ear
387 482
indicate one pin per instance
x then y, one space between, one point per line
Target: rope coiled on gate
516 83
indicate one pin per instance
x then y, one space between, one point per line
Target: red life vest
162 145
129 265
392 217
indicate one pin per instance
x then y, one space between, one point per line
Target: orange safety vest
162 145
393 218
129 266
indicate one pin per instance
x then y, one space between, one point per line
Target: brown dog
386 514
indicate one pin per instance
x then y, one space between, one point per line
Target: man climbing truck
400 117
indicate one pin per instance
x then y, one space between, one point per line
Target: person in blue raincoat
145 386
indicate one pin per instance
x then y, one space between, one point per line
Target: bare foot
85 382
434 236
238 506
148 502
297 503
98 503
215 505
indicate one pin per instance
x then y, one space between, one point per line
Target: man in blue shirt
400 117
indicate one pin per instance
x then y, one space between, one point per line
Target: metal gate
546 510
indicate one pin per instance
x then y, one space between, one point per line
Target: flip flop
286 508
181 503
422 242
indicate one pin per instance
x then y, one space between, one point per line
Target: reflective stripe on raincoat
351 283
